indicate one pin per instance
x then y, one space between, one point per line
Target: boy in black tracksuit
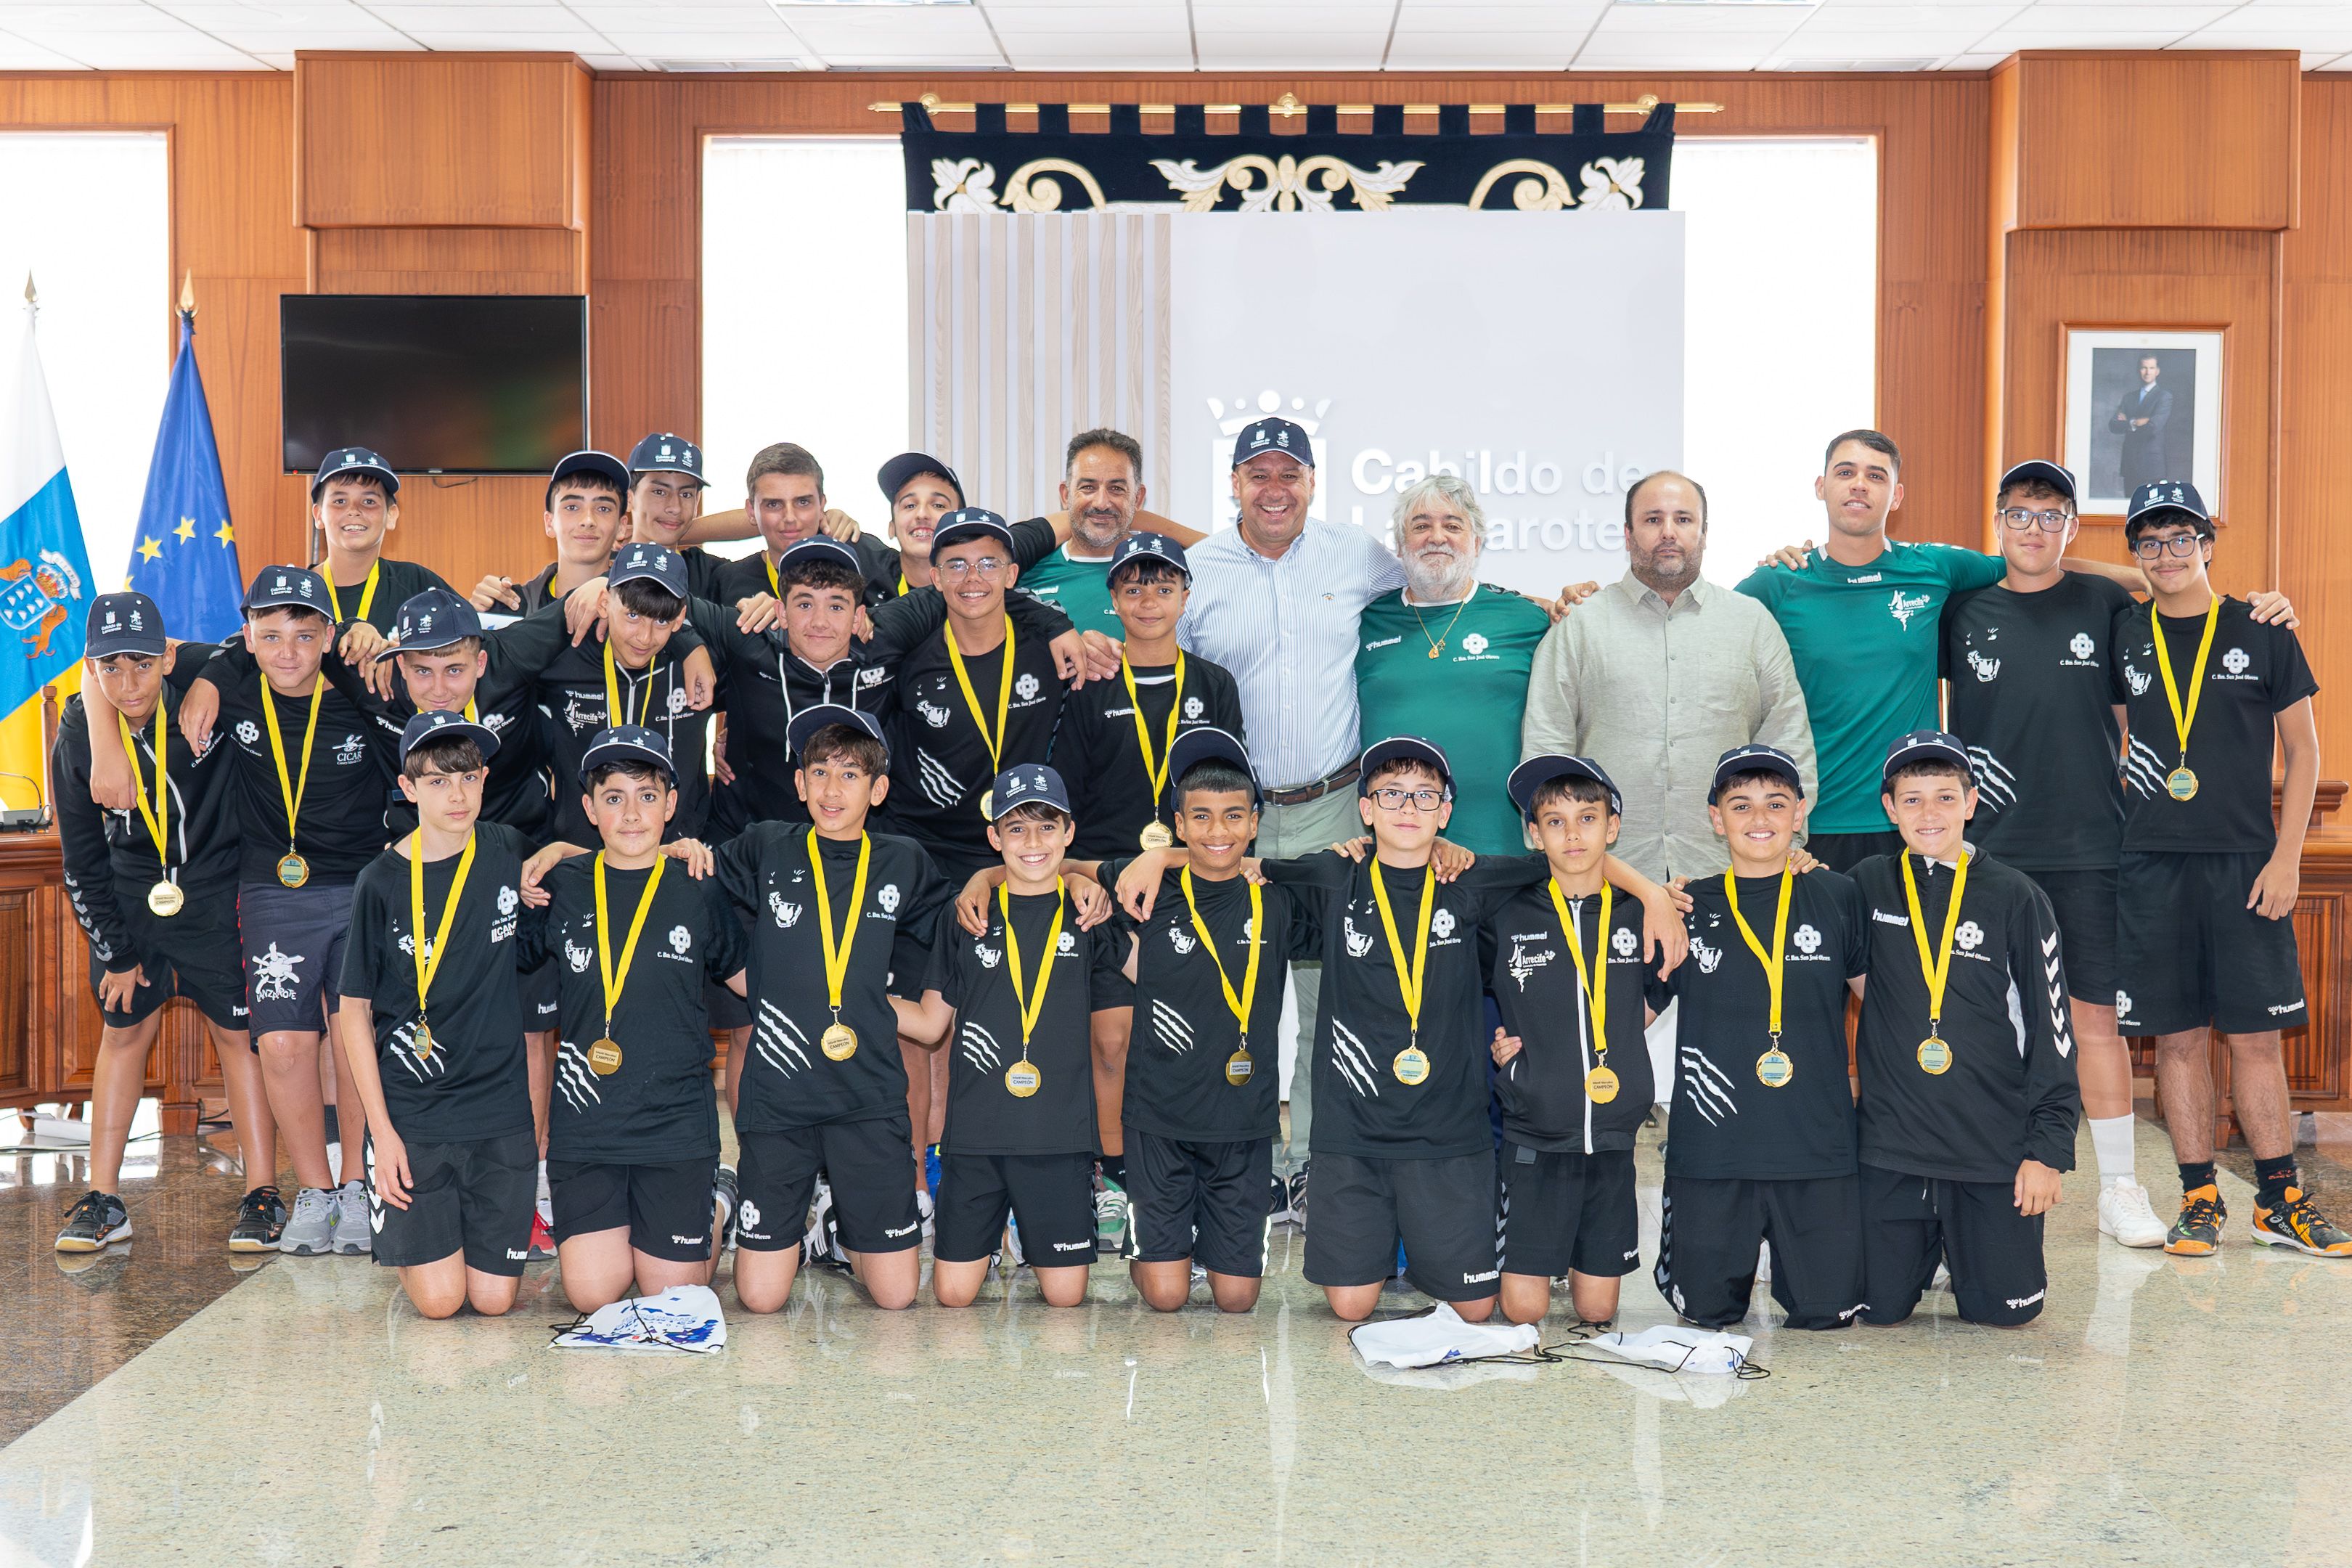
1763 1144
1965 1057
1573 1078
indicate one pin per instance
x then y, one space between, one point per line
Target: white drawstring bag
682 1318
1670 1348
1435 1338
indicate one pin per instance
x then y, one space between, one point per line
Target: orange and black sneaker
2297 1223
2196 1233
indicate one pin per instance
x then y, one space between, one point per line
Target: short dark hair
2034 487
1633 494
1147 569
1032 811
627 768
1772 777
590 481
1215 776
644 596
1881 444
443 754
1118 441
846 742
2161 516
1561 788
1927 768
1393 766
784 458
824 572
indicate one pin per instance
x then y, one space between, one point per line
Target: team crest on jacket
989 957
577 956
1623 942
1026 687
787 915
1808 939
1195 707
933 714
1441 925
247 732
888 898
1359 942
1069 942
507 899
1709 957
1970 936
2081 645
681 940
1182 941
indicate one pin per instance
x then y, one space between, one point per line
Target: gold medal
1155 772
987 804
1023 1078
1600 1083
293 870
604 1058
1239 1067
1412 1065
421 1041
1774 1070
428 964
838 1043
2181 783
995 741
1155 835
1935 1055
166 898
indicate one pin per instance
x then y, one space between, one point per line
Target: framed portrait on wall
2141 407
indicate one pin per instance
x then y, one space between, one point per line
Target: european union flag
185 557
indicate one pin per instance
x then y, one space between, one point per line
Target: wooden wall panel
447 262
2155 140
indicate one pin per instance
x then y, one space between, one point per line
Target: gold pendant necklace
1437 644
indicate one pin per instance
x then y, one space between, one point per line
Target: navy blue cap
1027 785
893 475
353 460
1273 436
289 588
2151 502
424 727
666 454
434 618
1756 759
818 547
1148 546
655 563
1413 748
2055 475
625 743
1925 746
971 522
820 715
1208 745
1536 772
589 461
122 623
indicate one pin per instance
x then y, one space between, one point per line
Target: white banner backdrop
1539 357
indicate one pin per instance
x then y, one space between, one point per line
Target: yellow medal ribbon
367 592
1596 991
836 961
1032 1004
995 742
1935 968
2184 717
1410 1066
1241 1003
614 713
158 816
1156 774
428 967
775 587
614 981
1773 1069
288 789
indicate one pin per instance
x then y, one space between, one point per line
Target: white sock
2111 1141
543 1192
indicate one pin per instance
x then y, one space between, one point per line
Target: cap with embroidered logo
971 522
2167 501
1756 759
441 723
353 460
435 619
625 743
589 461
1403 748
1264 436
1030 784
652 563
1925 746
1147 547
666 454
122 623
816 548
288 588
1536 772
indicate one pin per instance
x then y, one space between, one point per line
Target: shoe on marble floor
1298 1197
2197 1231
1110 1219
2124 1214
309 1231
97 1221
821 1243
926 1209
351 1232
1014 1256
2297 1223
260 1215
726 1197
542 1238
1277 1205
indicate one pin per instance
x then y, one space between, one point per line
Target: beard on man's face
1437 569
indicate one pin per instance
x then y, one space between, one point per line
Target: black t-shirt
1361 1107
788 1081
396 583
1184 1031
572 694
939 762
1729 1124
705 573
339 828
1097 754
659 1106
974 973
473 1084
2032 695
2253 673
1541 1090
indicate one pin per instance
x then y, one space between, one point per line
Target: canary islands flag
45 586
184 554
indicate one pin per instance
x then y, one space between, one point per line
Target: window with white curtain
88 217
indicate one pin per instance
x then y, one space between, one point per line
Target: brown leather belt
1315 791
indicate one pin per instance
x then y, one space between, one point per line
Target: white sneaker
2124 1214
1764 1263
352 1231
926 1209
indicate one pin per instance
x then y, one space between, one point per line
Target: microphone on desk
25 821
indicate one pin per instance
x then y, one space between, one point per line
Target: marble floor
2162 1411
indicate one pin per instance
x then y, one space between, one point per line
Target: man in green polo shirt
1863 617
1102 492
1446 658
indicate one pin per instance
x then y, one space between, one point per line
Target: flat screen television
453 383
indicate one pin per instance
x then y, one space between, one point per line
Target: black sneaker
260 1215
2196 1233
726 1197
1298 1198
97 1221
1277 1205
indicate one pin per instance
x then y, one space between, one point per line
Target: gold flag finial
32 297
188 292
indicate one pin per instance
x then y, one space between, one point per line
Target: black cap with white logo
822 715
441 722
122 623
893 475
652 563
432 619
1273 436
1925 746
589 461
2056 476
1208 745
1147 547
625 743
1757 759
2168 501
289 588
353 460
666 454
1536 772
1030 784
816 548
1403 748
971 522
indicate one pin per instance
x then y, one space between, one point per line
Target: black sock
2272 1179
334 1127
1114 1168
2195 1176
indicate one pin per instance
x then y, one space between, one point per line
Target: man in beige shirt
1659 674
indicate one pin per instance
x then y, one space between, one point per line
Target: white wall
88 214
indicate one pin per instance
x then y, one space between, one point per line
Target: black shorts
1201 1201
186 955
868 1166
2086 905
1910 1223
293 942
1559 1213
1442 1210
1052 1197
476 1198
1841 852
541 998
1707 1239
667 1209
2193 953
